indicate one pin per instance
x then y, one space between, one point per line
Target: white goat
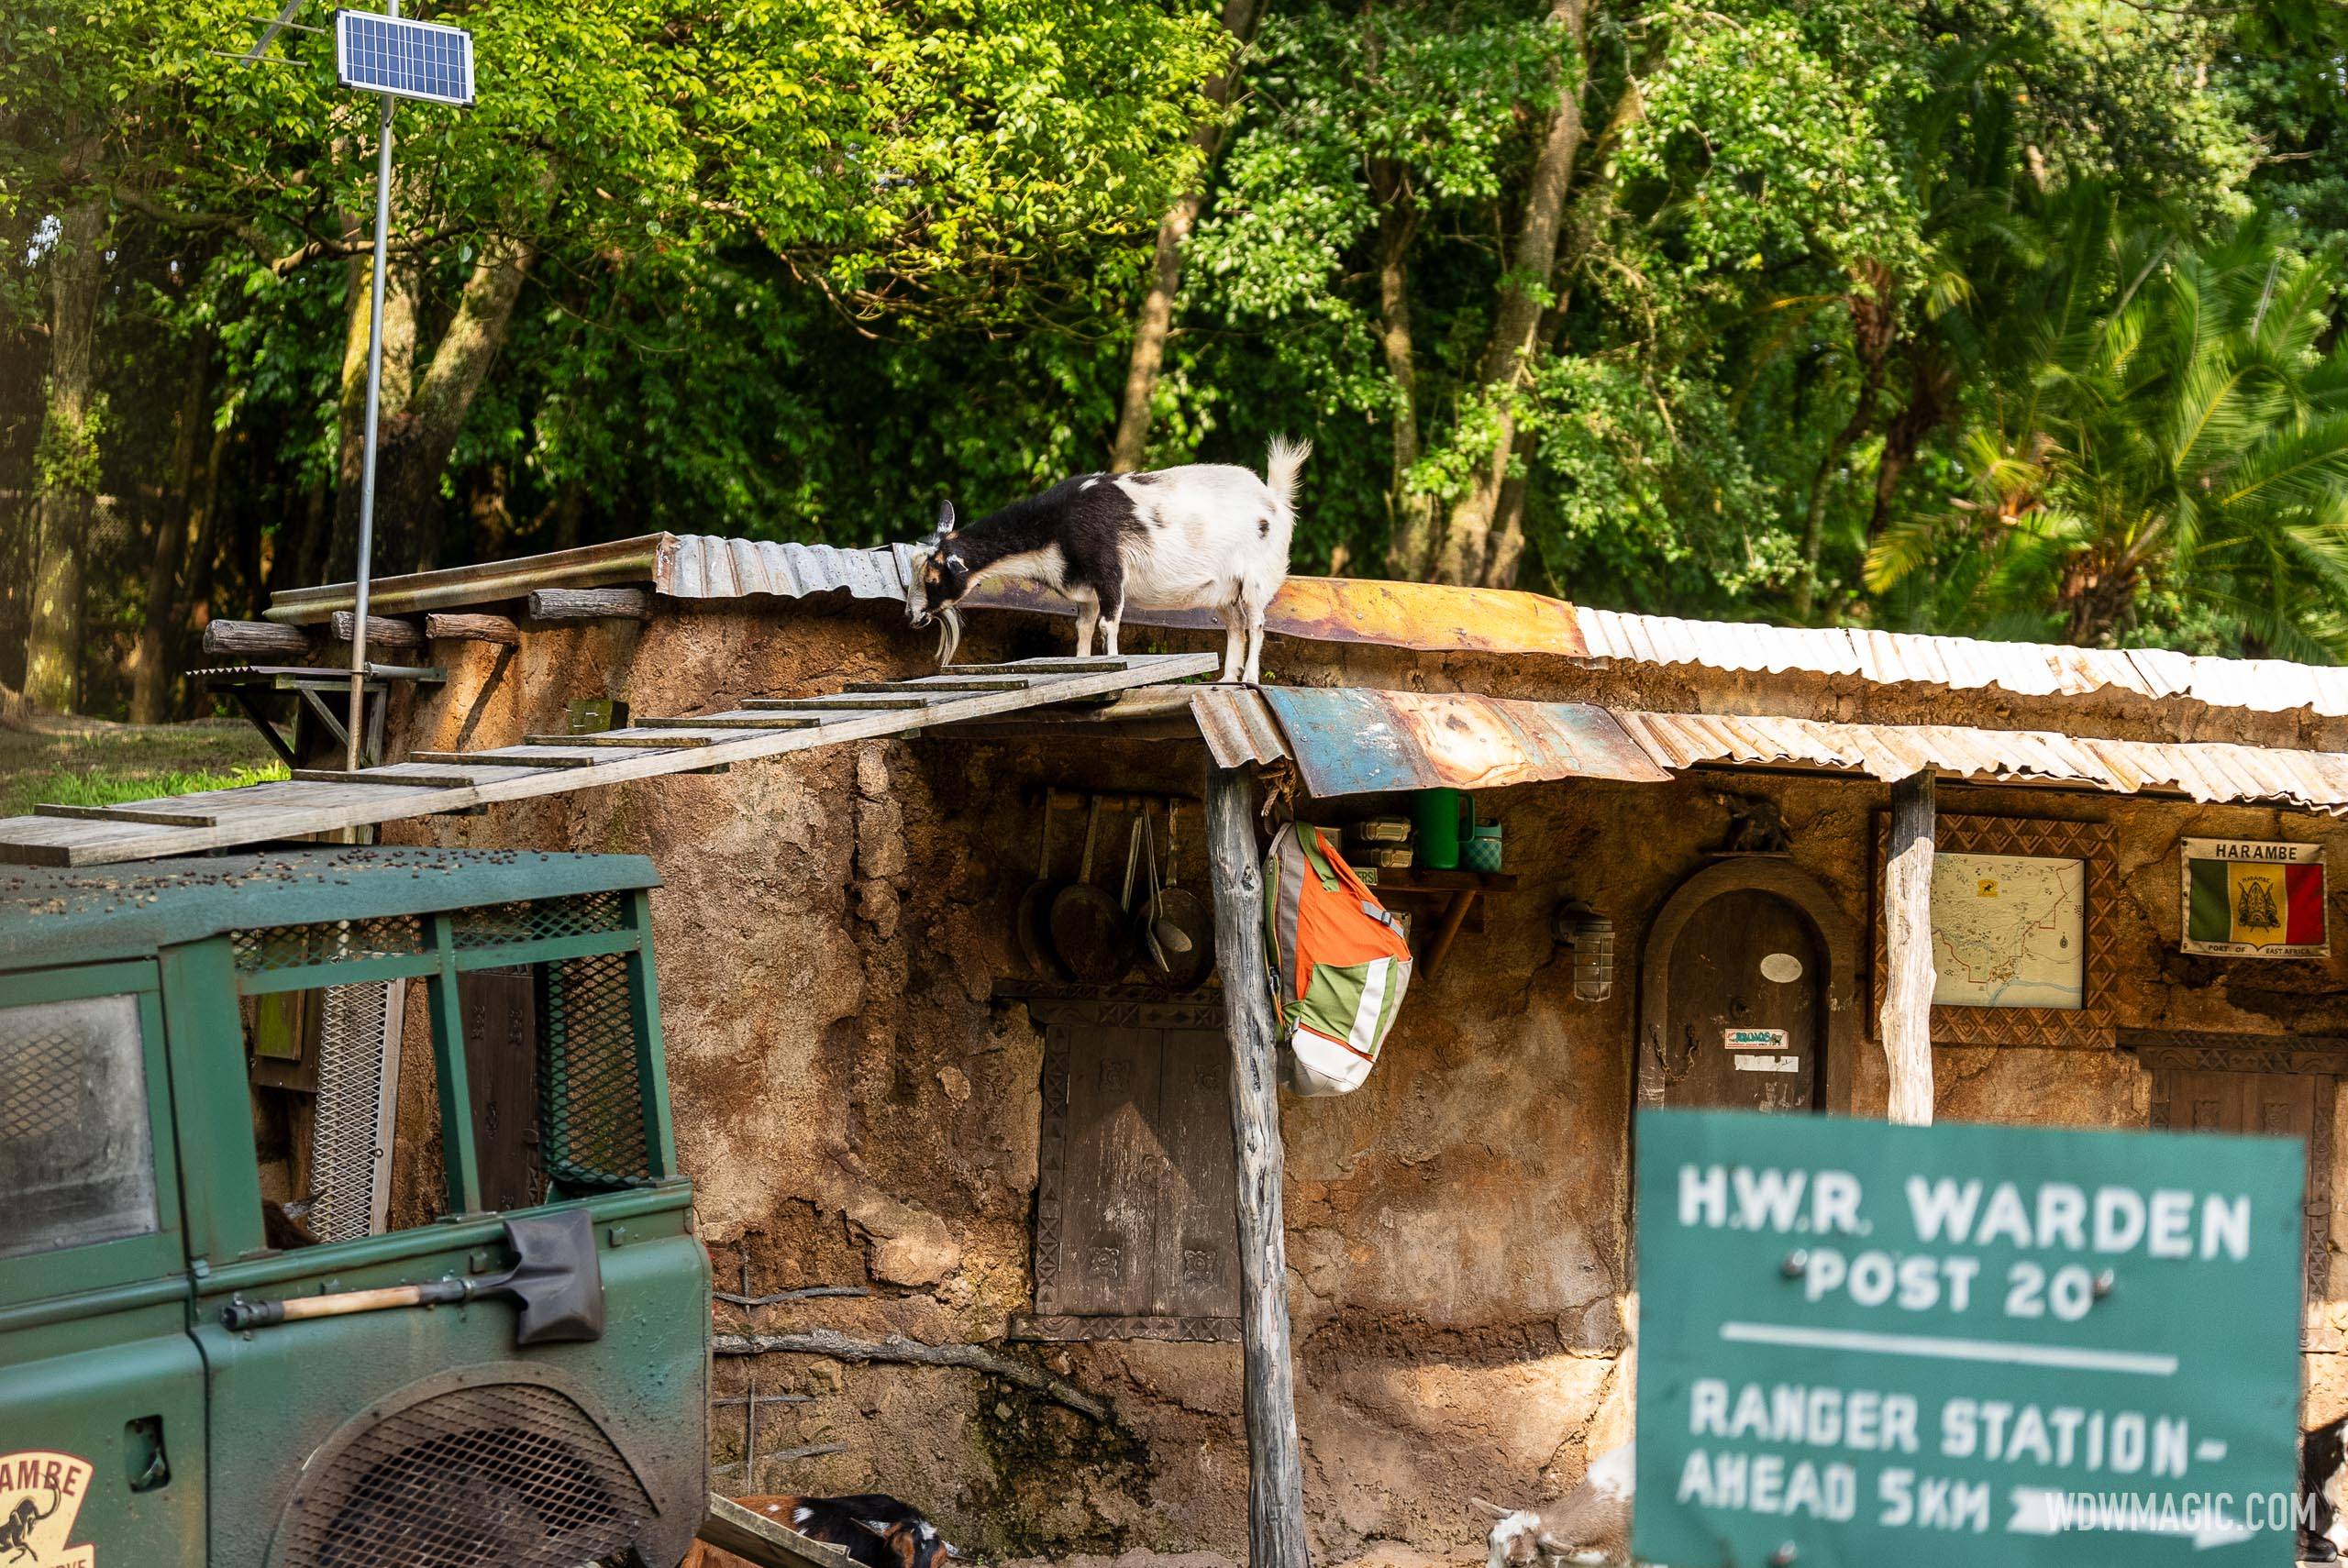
1590 1524
1202 537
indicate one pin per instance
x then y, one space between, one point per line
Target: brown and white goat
1590 1525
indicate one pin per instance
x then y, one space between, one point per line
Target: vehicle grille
503 1475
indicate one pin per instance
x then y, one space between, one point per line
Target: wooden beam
1276 1536
1907 977
254 639
766 1541
383 632
440 626
590 604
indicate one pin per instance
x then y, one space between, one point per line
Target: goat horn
1493 1508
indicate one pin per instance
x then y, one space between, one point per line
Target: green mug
1435 816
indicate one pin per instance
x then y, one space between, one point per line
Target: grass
104 765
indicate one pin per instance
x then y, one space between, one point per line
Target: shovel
555 1276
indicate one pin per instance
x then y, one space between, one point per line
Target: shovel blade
556 1276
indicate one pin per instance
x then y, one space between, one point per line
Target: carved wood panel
2093 843
2248 1083
1135 1235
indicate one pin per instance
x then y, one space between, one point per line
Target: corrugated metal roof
1237 726
1352 740
2205 771
2028 669
703 566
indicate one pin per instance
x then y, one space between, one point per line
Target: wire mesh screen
75 1159
506 1475
350 1141
496 925
334 942
590 1106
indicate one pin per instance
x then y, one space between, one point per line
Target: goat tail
1281 464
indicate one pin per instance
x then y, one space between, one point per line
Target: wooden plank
622 738
245 639
46 841
590 604
944 683
148 815
383 632
1043 666
729 721
765 1540
836 704
411 774
1907 1020
517 756
441 626
1276 1536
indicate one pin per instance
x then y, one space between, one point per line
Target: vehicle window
75 1157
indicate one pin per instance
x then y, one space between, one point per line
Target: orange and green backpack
1340 964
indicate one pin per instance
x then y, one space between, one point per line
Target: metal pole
374 399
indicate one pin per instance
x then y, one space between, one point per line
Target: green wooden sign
1863 1344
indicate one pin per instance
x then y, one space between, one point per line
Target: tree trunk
65 497
1276 1537
203 547
1906 1024
399 362
1467 540
1930 384
418 439
1410 546
151 675
1156 317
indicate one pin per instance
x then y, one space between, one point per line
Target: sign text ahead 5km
1862 1344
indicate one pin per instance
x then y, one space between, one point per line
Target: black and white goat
1202 537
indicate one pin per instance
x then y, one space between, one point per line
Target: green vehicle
305 1265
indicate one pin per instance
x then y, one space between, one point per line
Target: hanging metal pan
1088 928
1035 907
1184 911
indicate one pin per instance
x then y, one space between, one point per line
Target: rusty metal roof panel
2206 771
705 566
1427 617
1352 740
1237 726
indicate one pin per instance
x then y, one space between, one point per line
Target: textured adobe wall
857 1112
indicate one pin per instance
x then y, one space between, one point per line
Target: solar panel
406 58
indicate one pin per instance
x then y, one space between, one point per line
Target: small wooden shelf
1455 894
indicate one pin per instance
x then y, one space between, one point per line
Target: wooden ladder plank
1049 666
946 683
836 704
148 816
730 721
517 757
618 739
526 772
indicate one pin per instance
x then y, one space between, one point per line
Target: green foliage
1941 288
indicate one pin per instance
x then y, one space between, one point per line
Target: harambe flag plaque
1941 1347
2252 899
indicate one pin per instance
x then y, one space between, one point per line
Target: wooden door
501 1024
1745 1021
2282 1104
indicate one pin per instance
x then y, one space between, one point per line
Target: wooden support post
1907 977
254 639
590 604
473 629
382 630
1276 1536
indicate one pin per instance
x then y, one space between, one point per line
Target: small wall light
1591 935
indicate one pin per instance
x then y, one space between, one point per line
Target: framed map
2021 930
2009 931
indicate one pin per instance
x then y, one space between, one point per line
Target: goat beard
949 634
